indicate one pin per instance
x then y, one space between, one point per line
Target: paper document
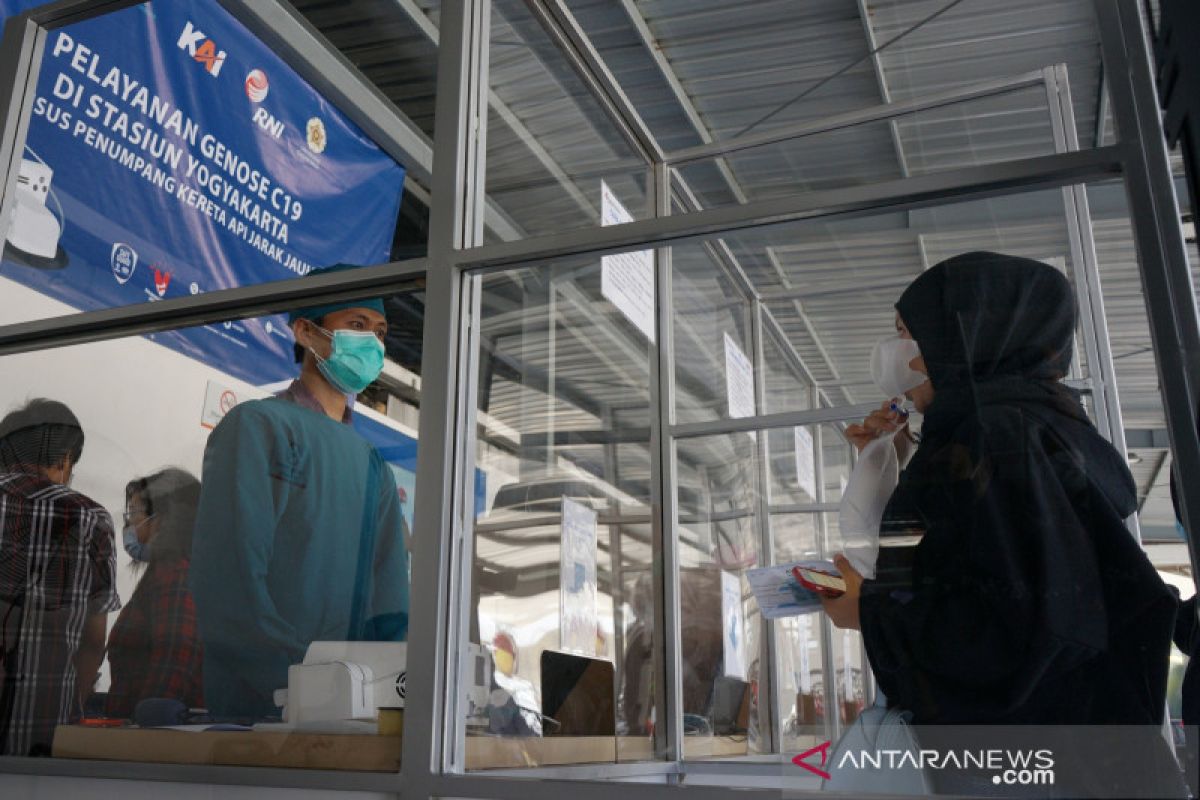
778 592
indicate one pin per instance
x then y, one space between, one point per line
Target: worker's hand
843 609
882 420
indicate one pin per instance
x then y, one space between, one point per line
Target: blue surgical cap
317 312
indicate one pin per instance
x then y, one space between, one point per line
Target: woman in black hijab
1027 601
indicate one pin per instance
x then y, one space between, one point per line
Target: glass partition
714 348
562 604
718 532
970 131
228 543
556 160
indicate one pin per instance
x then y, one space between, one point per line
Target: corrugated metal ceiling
701 70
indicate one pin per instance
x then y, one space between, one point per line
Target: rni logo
801 760
201 48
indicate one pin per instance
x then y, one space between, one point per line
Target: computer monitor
730 707
578 693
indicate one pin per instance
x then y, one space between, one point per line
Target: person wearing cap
299 535
57 578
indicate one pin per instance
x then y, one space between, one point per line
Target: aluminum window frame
457 258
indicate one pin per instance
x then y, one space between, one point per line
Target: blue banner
169 153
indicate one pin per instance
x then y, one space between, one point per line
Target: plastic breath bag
871 484
875 475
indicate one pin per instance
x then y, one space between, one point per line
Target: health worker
299 535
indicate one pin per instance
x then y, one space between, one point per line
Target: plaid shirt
154 648
57 567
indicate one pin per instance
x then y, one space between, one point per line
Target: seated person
153 649
299 533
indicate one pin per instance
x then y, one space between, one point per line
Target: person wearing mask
1026 601
154 649
57 578
299 534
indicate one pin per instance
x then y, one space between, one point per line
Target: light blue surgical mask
355 360
136 550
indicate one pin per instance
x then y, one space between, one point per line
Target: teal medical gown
299 538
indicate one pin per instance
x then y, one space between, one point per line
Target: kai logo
201 49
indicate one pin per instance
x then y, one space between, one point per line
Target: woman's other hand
843 609
882 420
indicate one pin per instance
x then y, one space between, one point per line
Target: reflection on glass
237 541
785 388
974 132
555 160
800 693
836 462
562 608
714 373
718 530
849 677
801 704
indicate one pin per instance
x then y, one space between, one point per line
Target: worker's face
921 396
309 335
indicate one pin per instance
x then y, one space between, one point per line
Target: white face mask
890 366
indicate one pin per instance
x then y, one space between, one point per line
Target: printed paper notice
578 619
627 279
218 401
778 592
739 380
806 470
733 618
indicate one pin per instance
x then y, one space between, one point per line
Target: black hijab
992 329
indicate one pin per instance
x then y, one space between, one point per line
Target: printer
344 684
341 681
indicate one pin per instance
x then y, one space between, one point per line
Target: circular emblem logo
257 86
123 260
315 129
402 684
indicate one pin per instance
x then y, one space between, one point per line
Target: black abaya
1027 601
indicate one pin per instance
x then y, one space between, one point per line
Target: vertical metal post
455 223
1086 270
668 695
23 43
828 673
551 370
1162 254
767 663
1062 138
616 558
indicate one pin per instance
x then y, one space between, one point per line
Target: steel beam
664 472
1162 252
560 24
879 113
786 419
433 726
936 189
681 96
885 94
208 307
